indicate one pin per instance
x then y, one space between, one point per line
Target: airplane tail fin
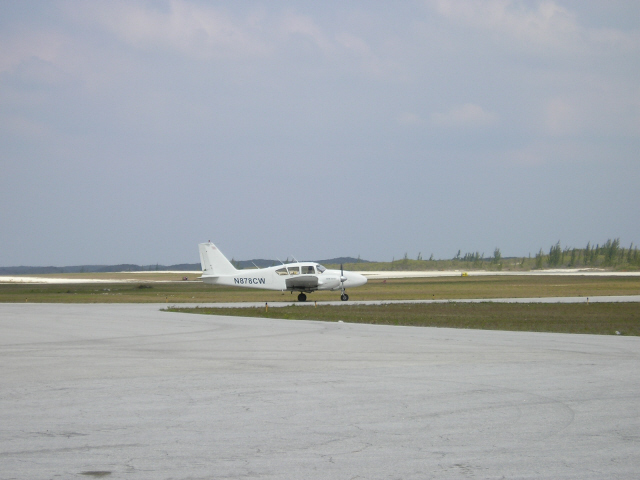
213 262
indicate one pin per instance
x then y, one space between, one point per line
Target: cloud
189 28
204 32
467 115
355 47
548 24
295 24
542 27
22 46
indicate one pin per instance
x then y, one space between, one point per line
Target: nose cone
355 279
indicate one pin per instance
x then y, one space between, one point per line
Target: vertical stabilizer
213 262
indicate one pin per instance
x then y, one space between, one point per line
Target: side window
294 270
281 271
308 270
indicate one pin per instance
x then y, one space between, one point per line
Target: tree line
609 254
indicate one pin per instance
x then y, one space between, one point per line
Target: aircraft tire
302 297
344 297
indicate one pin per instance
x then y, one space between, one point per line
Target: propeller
342 277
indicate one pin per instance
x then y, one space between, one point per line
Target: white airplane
303 277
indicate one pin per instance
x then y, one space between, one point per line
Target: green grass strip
595 318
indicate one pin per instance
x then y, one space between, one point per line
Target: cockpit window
294 270
308 269
320 268
282 271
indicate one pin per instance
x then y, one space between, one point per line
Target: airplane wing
302 281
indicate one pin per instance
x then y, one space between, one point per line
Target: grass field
442 288
599 318
568 318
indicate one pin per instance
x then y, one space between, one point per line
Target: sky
131 131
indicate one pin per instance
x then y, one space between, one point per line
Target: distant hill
126 267
262 263
339 260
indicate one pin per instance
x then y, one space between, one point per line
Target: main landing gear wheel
302 297
344 297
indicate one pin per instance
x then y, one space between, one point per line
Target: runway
134 277
128 391
338 303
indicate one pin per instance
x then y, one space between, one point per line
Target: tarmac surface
337 303
116 277
128 391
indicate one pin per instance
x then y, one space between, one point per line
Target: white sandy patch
152 272
5 279
483 273
193 276
65 280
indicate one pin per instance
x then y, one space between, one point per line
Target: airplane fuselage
303 277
